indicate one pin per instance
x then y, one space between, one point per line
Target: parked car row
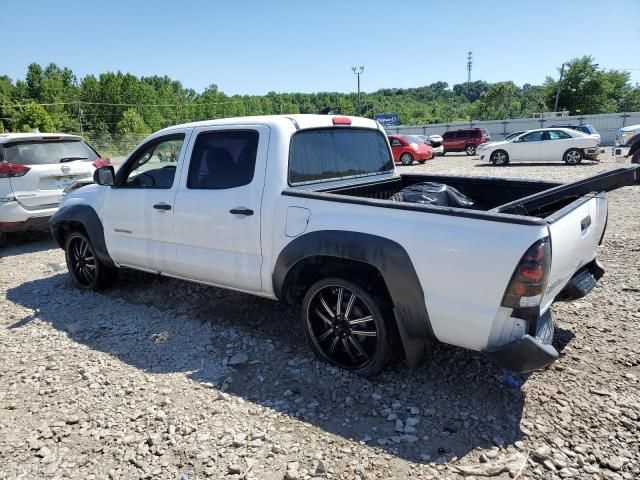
569 143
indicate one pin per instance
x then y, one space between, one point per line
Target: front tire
345 325
499 158
406 159
86 270
3 239
636 157
470 150
573 156
421 162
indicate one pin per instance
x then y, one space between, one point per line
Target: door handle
241 211
162 206
585 223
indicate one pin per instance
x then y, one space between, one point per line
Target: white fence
607 125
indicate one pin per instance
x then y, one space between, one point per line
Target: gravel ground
158 378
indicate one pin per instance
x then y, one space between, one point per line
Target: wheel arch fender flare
386 256
68 216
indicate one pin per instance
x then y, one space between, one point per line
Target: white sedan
543 145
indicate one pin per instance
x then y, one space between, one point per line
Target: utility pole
358 72
80 117
555 108
469 65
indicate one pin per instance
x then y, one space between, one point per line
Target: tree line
112 107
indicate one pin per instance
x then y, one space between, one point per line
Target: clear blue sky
257 46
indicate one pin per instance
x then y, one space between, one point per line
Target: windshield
414 139
35 152
334 153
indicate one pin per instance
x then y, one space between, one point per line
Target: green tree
586 89
500 101
34 116
132 124
473 91
34 81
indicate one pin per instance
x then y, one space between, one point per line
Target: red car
407 148
465 140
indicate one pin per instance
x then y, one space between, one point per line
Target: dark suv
464 140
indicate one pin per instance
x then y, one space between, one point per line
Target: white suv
35 168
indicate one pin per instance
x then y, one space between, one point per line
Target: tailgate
43 184
575 233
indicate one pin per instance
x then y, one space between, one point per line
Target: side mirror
104 176
516 140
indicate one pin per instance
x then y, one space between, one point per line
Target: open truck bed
534 198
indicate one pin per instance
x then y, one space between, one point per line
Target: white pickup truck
300 208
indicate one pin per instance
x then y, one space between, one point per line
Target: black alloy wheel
345 326
86 270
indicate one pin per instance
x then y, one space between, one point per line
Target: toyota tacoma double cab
303 208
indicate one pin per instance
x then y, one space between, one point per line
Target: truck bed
529 198
487 192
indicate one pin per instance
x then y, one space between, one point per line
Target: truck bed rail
602 182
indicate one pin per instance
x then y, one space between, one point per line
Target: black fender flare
393 263
86 216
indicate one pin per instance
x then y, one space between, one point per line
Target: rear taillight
12 170
101 162
529 280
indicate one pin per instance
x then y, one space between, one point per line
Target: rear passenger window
223 159
558 135
447 135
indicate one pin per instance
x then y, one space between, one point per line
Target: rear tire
636 157
406 159
3 239
348 326
573 156
86 270
470 149
499 158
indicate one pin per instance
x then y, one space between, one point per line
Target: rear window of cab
325 154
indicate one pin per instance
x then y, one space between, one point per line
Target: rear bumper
534 352
34 223
15 218
593 153
582 282
524 355
528 353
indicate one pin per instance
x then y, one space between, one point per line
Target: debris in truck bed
432 193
